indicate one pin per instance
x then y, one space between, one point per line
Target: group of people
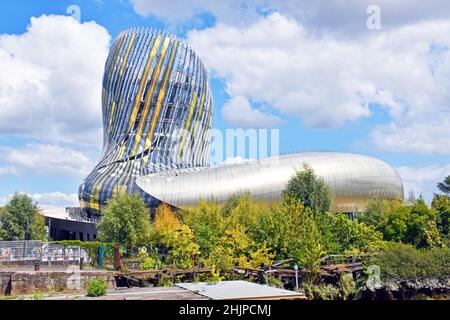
7 254
45 252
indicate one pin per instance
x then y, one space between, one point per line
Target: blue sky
310 68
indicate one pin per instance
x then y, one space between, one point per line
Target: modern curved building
157 115
352 178
157 118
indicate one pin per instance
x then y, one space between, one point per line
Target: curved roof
352 179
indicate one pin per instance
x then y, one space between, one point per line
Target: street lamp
296 277
25 242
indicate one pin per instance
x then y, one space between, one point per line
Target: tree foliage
126 221
249 233
413 222
441 204
377 211
444 186
408 224
354 236
176 237
403 261
21 220
310 190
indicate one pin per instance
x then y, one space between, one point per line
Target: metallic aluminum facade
157 114
353 179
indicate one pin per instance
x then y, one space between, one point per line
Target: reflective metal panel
156 99
352 179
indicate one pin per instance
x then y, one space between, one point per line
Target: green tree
441 204
432 237
377 210
354 236
1 213
411 224
208 224
411 200
310 247
174 236
21 220
292 232
444 186
37 228
125 220
310 190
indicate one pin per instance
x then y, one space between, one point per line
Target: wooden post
117 258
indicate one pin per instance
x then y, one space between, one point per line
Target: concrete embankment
19 282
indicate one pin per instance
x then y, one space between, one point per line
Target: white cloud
180 11
339 17
50 80
8 171
239 112
327 81
430 137
56 199
348 17
47 200
423 180
47 159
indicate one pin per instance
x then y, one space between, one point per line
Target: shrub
403 261
347 286
96 287
147 262
321 292
37 295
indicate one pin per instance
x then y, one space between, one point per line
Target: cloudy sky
317 70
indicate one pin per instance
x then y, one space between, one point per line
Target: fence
75 214
18 251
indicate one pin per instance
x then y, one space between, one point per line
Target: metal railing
31 250
75 214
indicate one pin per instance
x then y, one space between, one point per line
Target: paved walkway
55 268
150 293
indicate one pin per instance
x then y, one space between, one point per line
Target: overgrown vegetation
410 238
96 287
404 261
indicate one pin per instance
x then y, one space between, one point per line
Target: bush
96 287
347 286
321 292
403 261
147 262
37 295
